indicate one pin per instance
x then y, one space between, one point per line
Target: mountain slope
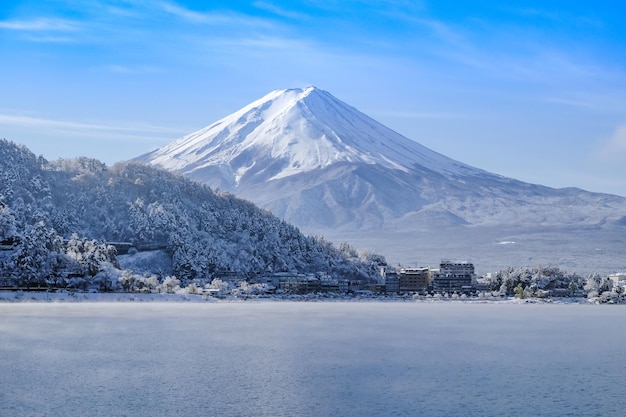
329 169
44 204
321 164
288 132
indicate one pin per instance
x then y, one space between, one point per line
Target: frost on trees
59 216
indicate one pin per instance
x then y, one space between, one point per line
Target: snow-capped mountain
289 132
324 166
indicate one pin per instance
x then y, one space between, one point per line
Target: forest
60 222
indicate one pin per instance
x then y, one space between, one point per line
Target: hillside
56 215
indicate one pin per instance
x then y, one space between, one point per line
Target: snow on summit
293 131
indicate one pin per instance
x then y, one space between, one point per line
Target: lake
311 359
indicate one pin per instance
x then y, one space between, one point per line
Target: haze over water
310 359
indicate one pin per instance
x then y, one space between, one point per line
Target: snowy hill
57 218
328 168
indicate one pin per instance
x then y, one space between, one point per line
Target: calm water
311 359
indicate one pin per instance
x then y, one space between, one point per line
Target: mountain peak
303 92
292 131
317 162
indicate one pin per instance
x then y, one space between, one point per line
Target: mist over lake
311 359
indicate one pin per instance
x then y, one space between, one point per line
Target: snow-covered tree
37 256
222 286
170 284
593 285
7 223
89 257
107 279
127 280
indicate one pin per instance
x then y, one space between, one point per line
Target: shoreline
7 297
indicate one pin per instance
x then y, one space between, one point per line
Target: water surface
311 359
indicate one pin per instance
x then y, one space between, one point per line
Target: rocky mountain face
322 165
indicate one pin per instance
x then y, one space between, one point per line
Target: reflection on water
311 359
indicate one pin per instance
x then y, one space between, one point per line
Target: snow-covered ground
75 297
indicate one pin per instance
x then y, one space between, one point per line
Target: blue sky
531 90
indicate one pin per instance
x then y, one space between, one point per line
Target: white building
619 280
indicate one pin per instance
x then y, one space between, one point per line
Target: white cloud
278 10
41 24
421 115
185 13
260 43
614 150
80 127
130 70
212 18
68 139
569 102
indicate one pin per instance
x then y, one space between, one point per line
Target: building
229 276
333 285
293 283
376 288
413 279
453 277
271 280
392 282
329 285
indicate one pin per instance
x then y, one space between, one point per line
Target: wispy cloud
50 39
185 13
421 115
44 29
534 12
569 102
614 149
279 11
130 70
445 32
562 16
65 125
212 18
41 25
260 43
